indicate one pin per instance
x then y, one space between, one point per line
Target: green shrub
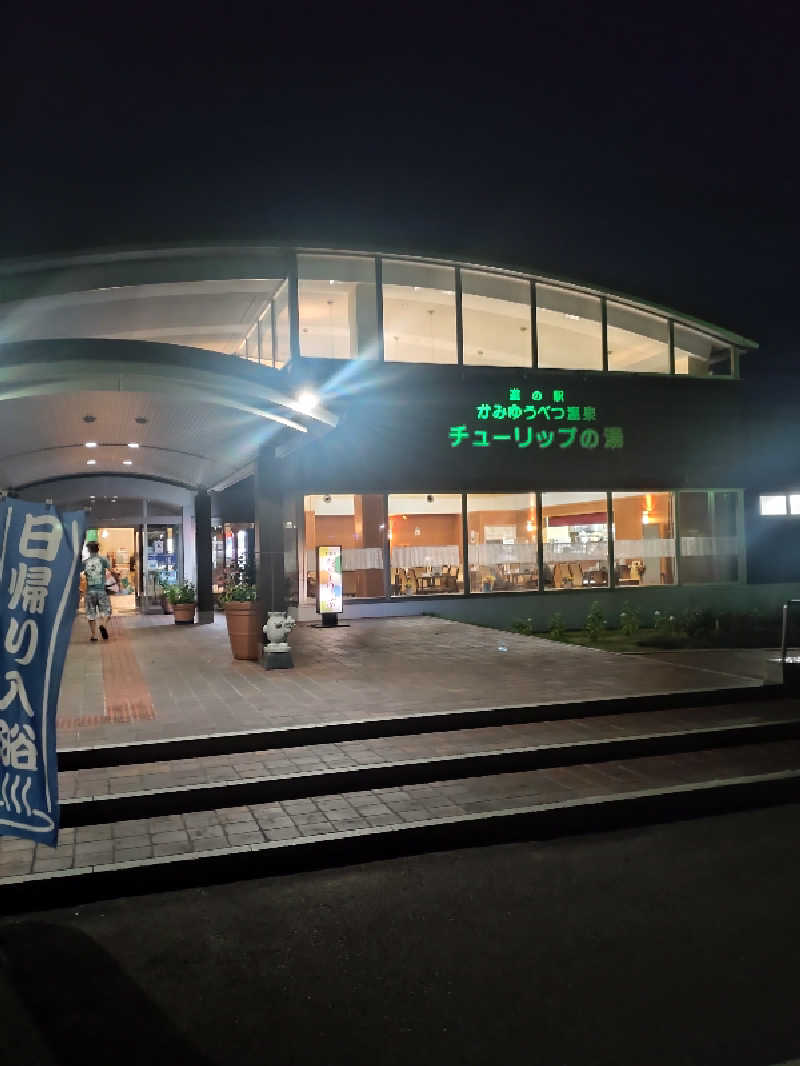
183 593
595 622
699 622
523 626
557 630
666 624
629 621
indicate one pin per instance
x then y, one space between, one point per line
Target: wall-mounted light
90 444
132 444
91 462
307 401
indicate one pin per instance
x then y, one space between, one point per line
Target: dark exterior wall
773 544
394 434
679 433
236 503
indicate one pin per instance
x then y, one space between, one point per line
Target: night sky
653 154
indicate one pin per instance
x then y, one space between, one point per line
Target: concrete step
180 787
192 747
129 856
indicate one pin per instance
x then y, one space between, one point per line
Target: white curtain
352 559
700 546
652 547
492 554
441 555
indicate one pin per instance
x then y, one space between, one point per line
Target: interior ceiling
215 315
196 444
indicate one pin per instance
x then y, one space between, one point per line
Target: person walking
98 604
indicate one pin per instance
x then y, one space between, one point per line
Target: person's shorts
97 604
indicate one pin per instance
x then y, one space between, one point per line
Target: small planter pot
184 613
244 621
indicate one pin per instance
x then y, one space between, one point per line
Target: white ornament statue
279 626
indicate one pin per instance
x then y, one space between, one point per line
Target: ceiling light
91 444
105 534
89 418
91 462
331 282
132 444
92 497
140 421
127 462
307 401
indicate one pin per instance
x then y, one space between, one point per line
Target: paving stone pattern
187 684
147 838
116 780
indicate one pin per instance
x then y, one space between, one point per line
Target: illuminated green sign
536 424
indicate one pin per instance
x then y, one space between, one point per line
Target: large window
497 320
280 312
358 525
337 307
427 555
502 542
419 313
710 524
637 341
644 538
575 539
772 505
569 329
700 356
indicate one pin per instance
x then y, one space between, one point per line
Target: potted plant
183 598
244 616
164 600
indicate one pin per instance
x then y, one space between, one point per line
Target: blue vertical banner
40 555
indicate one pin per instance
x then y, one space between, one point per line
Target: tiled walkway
156 680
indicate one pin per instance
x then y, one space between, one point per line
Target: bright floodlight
307 401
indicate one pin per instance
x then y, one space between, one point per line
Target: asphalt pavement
676 944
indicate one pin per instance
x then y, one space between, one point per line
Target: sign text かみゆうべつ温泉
525 421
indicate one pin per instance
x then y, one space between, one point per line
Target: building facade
481 443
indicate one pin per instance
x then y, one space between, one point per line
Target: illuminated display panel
329 584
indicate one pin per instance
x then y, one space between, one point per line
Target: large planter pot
184 613
244 628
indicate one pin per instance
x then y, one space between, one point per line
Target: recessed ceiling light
89 418
133 444
91 444
91 462
127 462
140 421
